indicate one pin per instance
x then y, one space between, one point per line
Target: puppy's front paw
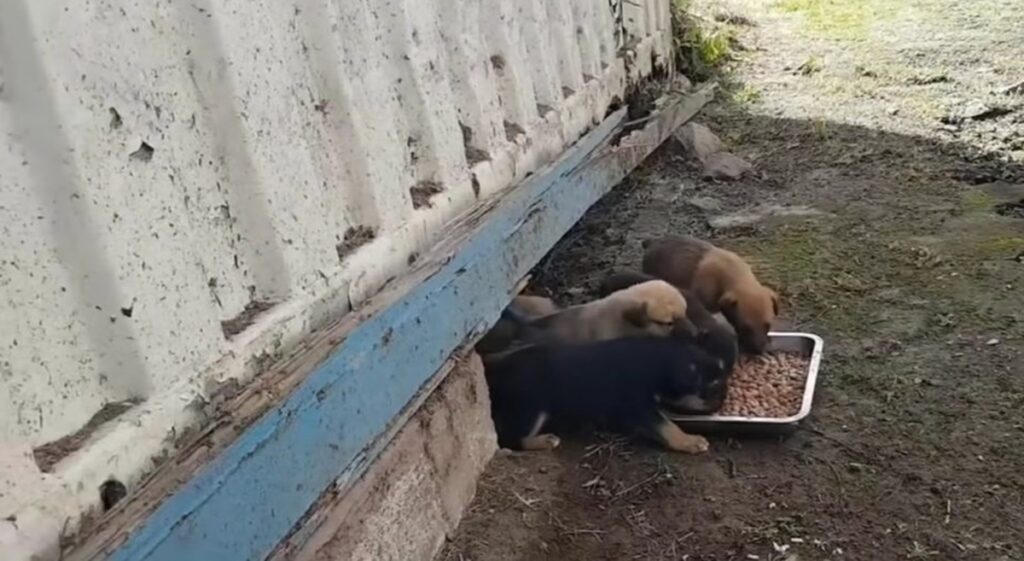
692 444
673 438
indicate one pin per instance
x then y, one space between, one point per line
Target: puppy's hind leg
536 441
658 427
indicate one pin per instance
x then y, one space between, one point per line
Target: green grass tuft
702 46
839 19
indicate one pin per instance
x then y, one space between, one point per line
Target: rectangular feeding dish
807 345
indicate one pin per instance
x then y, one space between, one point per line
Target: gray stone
762 214
698 140
707 204
726 166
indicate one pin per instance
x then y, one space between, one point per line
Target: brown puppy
722 281
649 308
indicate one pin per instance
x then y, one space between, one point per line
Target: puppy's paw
692 444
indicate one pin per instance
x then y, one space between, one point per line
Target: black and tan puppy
618 384
713 333
721 280
523 309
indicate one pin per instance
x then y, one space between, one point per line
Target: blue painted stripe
248 498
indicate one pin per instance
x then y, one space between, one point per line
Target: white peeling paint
166 164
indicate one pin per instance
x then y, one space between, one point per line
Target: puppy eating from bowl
618 384
721 280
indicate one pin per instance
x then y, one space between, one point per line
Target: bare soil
887 220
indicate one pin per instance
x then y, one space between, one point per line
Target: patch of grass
713 46
839 19
745 94
837 280
999 247
702 46
815 270
976 201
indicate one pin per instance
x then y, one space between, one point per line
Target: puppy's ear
728 305
775 301
637 314
727 302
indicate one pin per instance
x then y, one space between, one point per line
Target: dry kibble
769 385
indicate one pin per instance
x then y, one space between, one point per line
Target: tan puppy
722 281
650 308
715 335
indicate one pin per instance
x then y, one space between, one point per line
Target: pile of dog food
769 385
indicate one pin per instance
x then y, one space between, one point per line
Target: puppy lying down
522 310
618 384
648 308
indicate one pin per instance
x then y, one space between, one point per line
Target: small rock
992 342
682 83
707 204
725 166
865 72
750 217
928 79
974 111
699 141
812 65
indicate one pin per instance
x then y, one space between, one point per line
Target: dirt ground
883 123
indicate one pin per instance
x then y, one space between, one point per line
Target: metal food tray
807 344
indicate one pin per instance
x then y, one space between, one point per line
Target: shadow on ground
906 256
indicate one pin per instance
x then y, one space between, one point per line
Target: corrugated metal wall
188 187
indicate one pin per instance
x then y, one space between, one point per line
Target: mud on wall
186 188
